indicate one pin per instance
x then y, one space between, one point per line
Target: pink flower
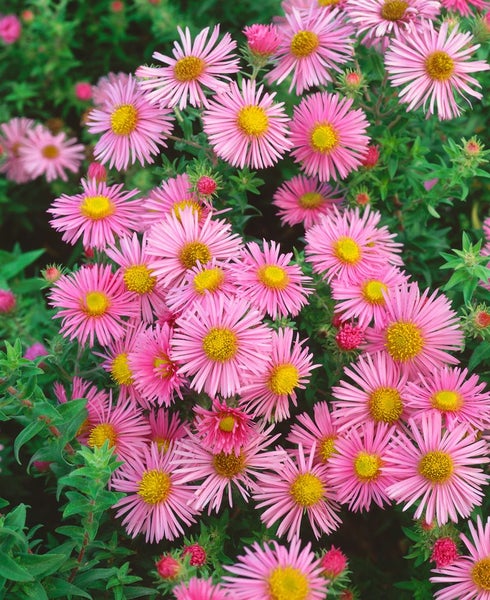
168 567
35 351
371 158
101 92
131 127
312 44
433 66
83 90
349 337
245 127
10 29
333 562
262 39
196 65
206 185
97 171
166 429
7 301
197 553
157 499
199 589
444 552
13 135
328 137
465 8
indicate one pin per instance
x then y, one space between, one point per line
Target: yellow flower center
328 2
307 489
154 486
164 366
447 400
124 119
220 344
96 304
304 43
101 433
310 200
324 138
367 466
288 583
480 574
50 151
372 291
326 447
208 280
439 65
188 68
96 207
347 250
436 466
120 371
283 379
139 279
227 423
193 252
187 203
385 405
273 277
394 10
253 121
228 465
404 340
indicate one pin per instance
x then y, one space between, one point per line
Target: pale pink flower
10 29
12 136
198 64
433 66
166 429
101 92
199 589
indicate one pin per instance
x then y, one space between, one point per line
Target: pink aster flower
179 242
364 298
157 501
196 65
285 369
276 571
304 200
262 40
313 43
419 330
199 589
44 153
133 261
348 245
97 400
96 216
432 67
356 470
12 136
220 474
268 280
166 429
459 398
35 351
299 489
377 393
246 127
223 428
131 127
92 304
467 577
465 8
10 29
328 136
444 552
317 432
440 469
101 92
155 368
221 343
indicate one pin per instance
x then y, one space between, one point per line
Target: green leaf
17 265
59 588
25 435
10 569
138 591
481 353
41 565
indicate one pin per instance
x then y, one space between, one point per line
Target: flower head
13 134
199 589
444 552
8 301
334 562
262 40
10 29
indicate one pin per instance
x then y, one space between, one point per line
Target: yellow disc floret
192 252
324 138
154 486
188 68
253 121
439 65
100 434
307 489
304 43
220 344
436 466
404 340
96 304
273 276
283 379
139 279
124 119
385 405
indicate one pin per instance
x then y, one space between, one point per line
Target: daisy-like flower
437 468
199 589
98 215
268 280
287 368
179 242
299 489
465 7
246 127
348 245
276 572
328 136
223 428
318 432
196 65
154 367
44 153
313 43
377 393
356 472
378 18
166 429
220 342
459 398
220 474
138 278
101 92
157 501
419 330
364 298
432 67
12 136
92 304
131 127
467 578
304 200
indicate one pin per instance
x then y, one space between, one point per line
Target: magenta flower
10 29
199 589
262 40
465 8
166 429
12 135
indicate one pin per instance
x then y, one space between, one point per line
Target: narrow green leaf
10 569
25 435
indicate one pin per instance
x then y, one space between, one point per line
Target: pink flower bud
198 555
349 337
7 301
37 349
168 567
27 16
371 157
83 90
117 6
262 39
333 562
206 185
10 29
97 171
444 552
